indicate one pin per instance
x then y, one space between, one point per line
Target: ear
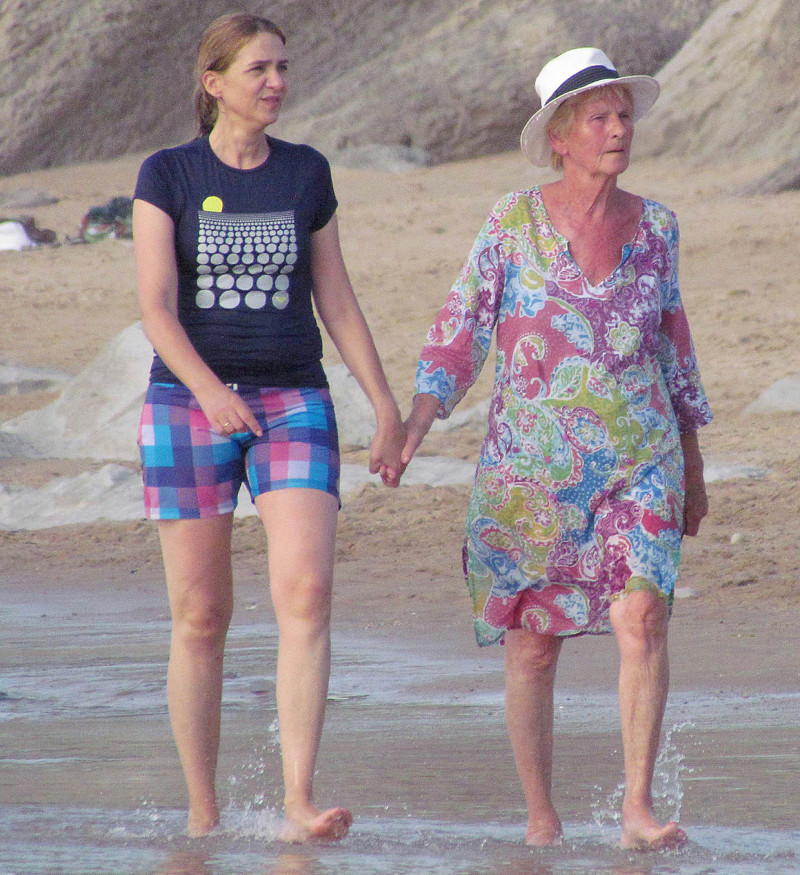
557 144
210 80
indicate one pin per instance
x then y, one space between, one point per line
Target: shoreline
412 701
717 644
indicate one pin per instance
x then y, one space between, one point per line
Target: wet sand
414 741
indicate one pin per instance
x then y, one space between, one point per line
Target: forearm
353 340
157 284
424 409
692 457
170 341
340 313
225 410
695 498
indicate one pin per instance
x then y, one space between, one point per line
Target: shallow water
414 742
38 839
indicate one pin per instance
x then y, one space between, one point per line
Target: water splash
247 787
254 822
668 780
254 799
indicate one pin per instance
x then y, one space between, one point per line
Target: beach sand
437 751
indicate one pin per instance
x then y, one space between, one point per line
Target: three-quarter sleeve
676 353
459 340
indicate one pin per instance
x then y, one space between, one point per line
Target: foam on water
35 840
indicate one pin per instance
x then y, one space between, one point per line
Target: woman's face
599 139
252 89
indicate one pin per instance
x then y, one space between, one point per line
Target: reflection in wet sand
196 863
185 863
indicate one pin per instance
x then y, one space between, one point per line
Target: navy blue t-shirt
243 244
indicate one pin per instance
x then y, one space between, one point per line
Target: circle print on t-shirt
244 259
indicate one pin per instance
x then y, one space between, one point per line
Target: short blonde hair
563 118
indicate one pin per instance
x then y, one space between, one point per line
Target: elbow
154 319
147 329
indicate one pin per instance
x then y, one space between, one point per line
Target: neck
591 195
238 147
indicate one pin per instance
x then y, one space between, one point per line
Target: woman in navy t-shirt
236 238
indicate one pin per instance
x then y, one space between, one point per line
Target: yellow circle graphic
280 300
212 204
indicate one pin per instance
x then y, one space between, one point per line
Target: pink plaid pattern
191 472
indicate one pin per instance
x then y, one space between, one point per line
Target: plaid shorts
191 472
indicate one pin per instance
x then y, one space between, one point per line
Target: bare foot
330 825
544 831
653 836
200 825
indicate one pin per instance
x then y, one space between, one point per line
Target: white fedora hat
569 74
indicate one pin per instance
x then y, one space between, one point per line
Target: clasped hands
394 447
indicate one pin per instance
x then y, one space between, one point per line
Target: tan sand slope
733 91
83 80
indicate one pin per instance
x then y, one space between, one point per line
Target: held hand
385 449
227 412
418 424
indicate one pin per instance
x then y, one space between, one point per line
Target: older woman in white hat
590 473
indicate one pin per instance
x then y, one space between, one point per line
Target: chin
621 161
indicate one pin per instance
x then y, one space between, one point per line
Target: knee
640 619
202 622
303 599
531 654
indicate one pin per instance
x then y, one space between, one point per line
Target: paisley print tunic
578 494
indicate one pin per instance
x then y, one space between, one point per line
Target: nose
276 80
615 129
620 125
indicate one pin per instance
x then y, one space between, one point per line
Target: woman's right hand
226 411
423 413
157 281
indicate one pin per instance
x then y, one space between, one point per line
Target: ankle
544 830
202 823
299 806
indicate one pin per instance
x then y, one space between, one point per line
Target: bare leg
530 669
301 529
197 562
640 620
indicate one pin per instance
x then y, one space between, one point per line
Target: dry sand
405 237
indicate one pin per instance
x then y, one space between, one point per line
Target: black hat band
580 80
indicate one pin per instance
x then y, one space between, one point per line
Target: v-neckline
564 245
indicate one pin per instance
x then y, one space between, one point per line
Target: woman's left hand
695 506
695 502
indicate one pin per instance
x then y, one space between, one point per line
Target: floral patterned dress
578 494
